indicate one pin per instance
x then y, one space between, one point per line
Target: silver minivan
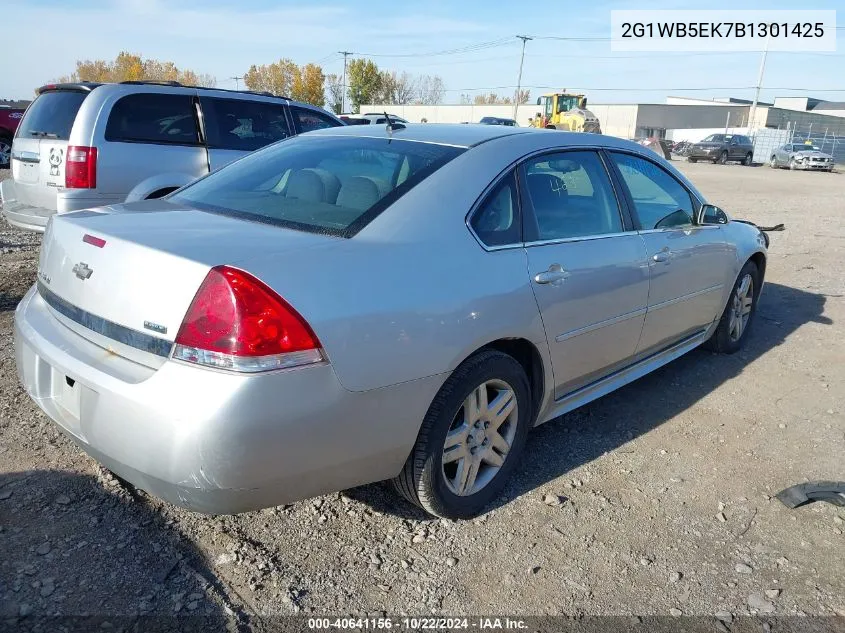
85 145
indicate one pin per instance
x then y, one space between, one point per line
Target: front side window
496 222
715 138
333 185
241 124
153 118
307 120
571 196
660 201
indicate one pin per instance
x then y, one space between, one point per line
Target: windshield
334 185
51 115
715 138
805 148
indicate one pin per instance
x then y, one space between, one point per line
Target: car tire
723 158
692 160
792 165
749 159
738 316
5 152
773 162
438 487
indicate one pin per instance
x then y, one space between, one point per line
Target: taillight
81 167
237 322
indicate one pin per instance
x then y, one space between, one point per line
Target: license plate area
66 393
27 173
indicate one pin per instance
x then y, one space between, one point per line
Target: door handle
555 275
662 257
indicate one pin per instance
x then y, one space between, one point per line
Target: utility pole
753 112
237 82
343 96
524 39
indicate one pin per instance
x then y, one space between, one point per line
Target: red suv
9 119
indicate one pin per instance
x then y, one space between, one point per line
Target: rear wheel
736 320
723 158
5 152
749 157
471 438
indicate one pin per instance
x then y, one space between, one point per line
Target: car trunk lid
123 277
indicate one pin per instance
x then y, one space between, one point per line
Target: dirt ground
668 484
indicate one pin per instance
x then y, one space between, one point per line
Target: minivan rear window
320 184
51 115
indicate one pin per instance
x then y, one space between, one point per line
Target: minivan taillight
81 167
237 322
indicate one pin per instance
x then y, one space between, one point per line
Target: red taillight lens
237 322
81 167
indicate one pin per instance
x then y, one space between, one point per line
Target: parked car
801 156
85 145
721 148
378 118
9 120
353 119
360 304
495 120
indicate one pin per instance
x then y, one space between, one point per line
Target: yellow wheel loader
564 111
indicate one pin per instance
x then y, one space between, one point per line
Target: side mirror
710 214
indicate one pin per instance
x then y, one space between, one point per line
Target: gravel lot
668 484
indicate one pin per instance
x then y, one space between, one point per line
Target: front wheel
792 164
737 317
723 158
692 160
773 162
749 157
471 438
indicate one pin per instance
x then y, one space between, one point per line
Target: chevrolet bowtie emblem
82 271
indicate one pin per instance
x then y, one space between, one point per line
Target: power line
452 51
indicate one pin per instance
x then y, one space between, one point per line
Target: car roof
459 135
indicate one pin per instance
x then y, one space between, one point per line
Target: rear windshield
51 115
334 185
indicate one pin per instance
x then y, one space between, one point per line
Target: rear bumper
20 215
31 218
213 441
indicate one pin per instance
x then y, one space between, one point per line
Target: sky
224 37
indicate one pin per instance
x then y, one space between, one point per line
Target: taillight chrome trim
247 364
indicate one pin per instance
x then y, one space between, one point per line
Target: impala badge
82 271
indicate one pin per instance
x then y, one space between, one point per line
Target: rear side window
333 185
496 222
51 115
307 120
153 118
241 124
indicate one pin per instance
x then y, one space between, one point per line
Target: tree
430 89
492 97
365 82
132 67
335 88
277 78
397 89
308 85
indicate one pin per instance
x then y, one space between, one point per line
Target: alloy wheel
5 154
480 437
741 304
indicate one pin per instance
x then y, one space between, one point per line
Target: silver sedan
364 304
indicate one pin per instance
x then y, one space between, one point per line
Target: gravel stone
43 549
742 568
760 604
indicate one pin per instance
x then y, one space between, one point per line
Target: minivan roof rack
155 82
